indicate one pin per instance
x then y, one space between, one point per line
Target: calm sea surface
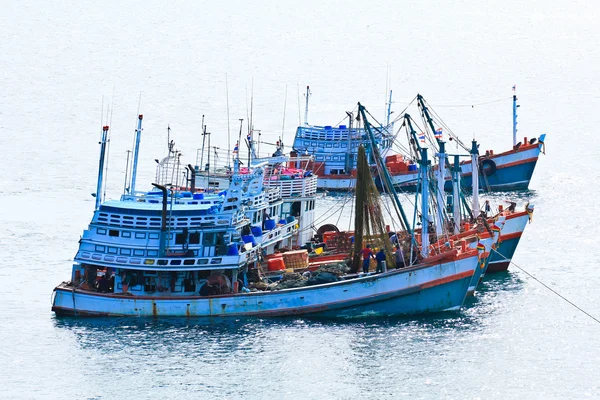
60 62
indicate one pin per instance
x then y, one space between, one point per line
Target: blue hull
416 290
500 260
511 178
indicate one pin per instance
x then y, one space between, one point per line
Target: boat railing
300 187
176 221
167 263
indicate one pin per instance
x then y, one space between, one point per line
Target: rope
550 289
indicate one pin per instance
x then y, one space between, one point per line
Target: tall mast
475 177
103 141
456 194
440 189
136 152
515 105
425 112
384 171
125 188
203 142
306 107
424 204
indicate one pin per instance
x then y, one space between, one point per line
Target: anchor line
549 288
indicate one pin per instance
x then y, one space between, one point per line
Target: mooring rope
549 288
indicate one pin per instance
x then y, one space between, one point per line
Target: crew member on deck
367 254
380 257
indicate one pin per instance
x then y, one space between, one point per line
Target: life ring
487 167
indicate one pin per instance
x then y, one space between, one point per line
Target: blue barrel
248 238
282 221
223 193
290 219
186 194
232 250
198 196
256 231
270 224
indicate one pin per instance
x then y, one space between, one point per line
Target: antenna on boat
284 110
515 105
136 152
228 127
307 95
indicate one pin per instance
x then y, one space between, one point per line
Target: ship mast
515 105
306 107
103 142
136 152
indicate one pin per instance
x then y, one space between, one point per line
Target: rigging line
108 140
549 288
474 104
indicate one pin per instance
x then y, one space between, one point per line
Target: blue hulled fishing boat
177 254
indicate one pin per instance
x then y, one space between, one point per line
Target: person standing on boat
367 254
380 257
399 257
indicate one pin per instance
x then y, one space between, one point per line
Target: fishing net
369 226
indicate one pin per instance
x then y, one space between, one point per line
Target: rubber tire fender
487 167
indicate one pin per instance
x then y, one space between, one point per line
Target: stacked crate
338 242
296 259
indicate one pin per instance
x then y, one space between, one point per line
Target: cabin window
162 262
101 231
180 238
126 234
344 145
208 239
329 145
220 244
195 238
189 262
140 235
336 144
113 233
100 249
113 250
153 236
175 262
138 252
202 261
125 252
152 253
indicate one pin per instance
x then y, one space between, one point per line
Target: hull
478 274
408 291
509 240
512 170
